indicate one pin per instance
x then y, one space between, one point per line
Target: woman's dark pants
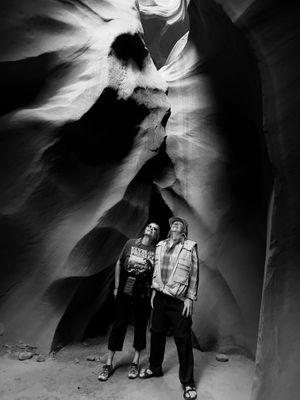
128 306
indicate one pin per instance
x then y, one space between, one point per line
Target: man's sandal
190 392
106 372
148 373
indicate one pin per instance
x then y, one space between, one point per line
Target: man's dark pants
167 311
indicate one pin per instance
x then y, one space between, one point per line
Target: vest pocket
182 272
180 280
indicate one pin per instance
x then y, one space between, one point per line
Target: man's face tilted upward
177 226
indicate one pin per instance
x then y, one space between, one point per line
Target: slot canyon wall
85 109
121 112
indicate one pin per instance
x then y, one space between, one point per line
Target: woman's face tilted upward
152 230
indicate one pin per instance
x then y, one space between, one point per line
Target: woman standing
133 276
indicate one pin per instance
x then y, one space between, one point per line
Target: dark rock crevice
89 269
128 48
105 133
22 81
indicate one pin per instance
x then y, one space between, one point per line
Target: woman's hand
115 292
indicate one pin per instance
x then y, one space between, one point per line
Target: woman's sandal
106 372
188 390
148 373
133 371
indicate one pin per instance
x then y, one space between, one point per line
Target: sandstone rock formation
248 66
214 139
92 148
85 109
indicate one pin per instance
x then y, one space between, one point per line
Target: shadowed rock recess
115 114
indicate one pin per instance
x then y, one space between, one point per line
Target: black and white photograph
149 200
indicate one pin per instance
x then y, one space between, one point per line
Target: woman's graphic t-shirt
136 267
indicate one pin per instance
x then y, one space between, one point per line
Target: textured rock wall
85 162
216 145
84 111
273 29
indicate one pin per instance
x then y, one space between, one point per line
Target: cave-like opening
99 323
90 307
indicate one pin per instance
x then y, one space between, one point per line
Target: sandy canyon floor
69 374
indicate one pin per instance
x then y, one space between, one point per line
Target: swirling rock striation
89 116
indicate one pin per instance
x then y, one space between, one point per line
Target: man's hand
187 308
152 297
115 292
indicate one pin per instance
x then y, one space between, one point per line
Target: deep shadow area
105 133
21 81
91 290
128 47
236 84
159 212
159 165
89 295
104 316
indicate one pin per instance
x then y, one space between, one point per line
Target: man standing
175 285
